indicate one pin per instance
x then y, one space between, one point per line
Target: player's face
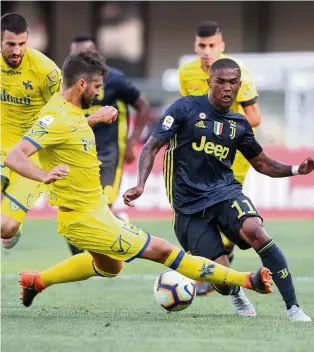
13 47
209 49
91 91
224 86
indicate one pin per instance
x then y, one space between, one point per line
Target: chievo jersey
24 91
62 136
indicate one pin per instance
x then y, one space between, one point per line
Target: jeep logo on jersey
218 150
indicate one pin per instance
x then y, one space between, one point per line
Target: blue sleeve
249 146
126 90
171 121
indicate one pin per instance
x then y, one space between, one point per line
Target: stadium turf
121 314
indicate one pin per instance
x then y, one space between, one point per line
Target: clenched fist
306 166
106 114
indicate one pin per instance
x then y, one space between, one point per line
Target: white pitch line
148 277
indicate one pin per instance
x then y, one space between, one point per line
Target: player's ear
82 84
208 81
223 46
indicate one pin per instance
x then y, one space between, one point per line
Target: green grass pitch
121 315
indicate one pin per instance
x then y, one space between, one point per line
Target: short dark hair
14 22
207 29
80 64
82 37
224 63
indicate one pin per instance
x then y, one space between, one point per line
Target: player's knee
158 250
9 227
111 272
253 232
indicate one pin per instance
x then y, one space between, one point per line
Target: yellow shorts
19 193
102 232
240 167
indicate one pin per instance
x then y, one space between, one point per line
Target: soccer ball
173 291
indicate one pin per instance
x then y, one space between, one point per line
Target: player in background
209 47
114 145
67 151
28 80
204 135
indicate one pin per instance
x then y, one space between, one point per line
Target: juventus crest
233 126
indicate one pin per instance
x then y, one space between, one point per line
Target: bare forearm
273 168
140 122
145 164
253 114
92 120
17 161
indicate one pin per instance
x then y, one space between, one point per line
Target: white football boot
242 305
295 313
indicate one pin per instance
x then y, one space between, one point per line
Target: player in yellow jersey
209 47
67 151
28 80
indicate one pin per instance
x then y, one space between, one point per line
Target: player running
28 80
66 147
112 142
209 47
204 136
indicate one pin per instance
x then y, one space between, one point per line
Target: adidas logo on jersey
200 124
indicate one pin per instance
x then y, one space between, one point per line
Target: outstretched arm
266 165
145 165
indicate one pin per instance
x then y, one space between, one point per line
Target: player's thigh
110 176
231 214
198 235
102 232
20 196
240 167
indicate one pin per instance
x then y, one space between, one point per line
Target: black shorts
111 158
200 233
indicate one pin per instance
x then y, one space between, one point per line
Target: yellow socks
77 268
202 269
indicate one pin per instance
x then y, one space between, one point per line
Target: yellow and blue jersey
24 91
62 136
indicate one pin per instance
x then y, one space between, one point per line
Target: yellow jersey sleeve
51 82
183 90
248 89
47 130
